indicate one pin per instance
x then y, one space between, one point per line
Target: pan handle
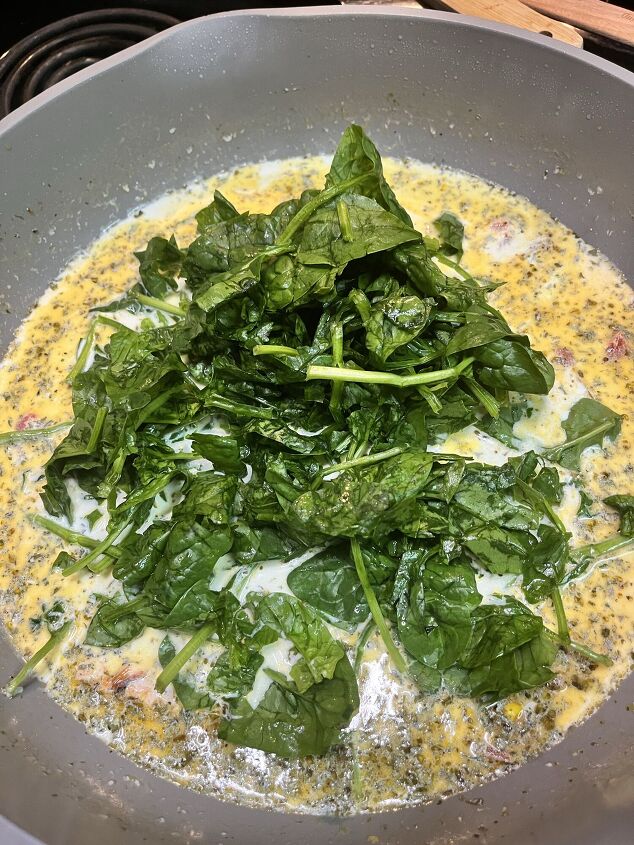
516 13
594 15
503 11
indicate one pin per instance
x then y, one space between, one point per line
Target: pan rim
129 54
467 21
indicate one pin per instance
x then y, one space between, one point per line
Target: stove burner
60 49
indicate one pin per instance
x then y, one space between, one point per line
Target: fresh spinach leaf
319 651
365 502
356 155
523 668
498 630
451 231
588 424
513 365
159 263
292 724
114 632
225 452
329 344
624 504
328 582
435 622
190 697
545 566
392 322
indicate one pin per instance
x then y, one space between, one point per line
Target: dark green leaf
218 211
498 630
588 424
328 582
435 623
159 264
513 365
293 724
392 322
499 550
291 618
190 555
114 633
523 668
225 452
451 231
371 230
190 697
365 501
545 566
356 155
624 504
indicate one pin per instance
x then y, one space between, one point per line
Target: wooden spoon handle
516 13
593 15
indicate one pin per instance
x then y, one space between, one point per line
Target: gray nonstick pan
542 119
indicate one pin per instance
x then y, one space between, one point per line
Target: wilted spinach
287 403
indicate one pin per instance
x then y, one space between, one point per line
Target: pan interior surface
450 107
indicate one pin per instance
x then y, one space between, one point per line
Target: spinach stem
102 320
154 405
174 456
336 334
594 552
365 460
562 622
170 672
378 377
95 434
9 437
105 487
305 213
365 635
213 400
600 659
15 683
159 304
344 221
428 395
598 550
98 550
149 491
489 403
70 536
123 609
555 453
377 615
273 349
80 362
412 361
533 496
89 340
464 274
556 521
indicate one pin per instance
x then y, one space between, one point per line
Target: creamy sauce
401 748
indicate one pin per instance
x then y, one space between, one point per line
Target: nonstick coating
542 119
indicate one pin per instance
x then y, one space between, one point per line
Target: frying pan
543 119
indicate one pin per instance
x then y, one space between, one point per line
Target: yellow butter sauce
402 747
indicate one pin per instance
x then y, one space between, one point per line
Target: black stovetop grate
59 49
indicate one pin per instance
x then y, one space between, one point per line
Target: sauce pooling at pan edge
401 747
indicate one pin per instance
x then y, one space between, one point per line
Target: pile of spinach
283 399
